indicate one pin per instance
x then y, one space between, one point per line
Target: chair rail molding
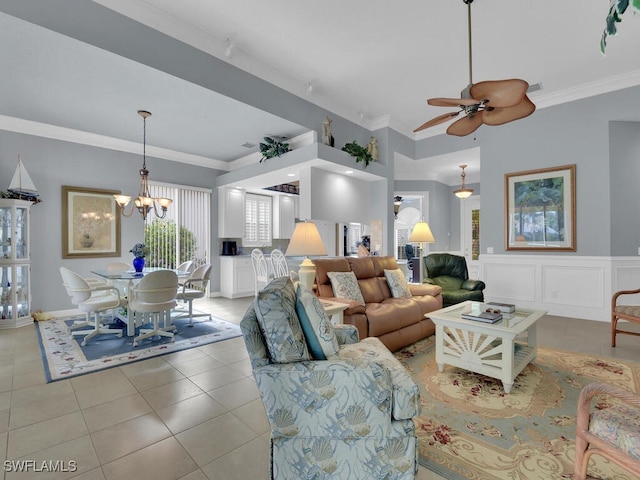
564 285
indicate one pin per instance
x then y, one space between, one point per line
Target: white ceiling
374 62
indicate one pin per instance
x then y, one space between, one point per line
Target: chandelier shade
144 202
463 192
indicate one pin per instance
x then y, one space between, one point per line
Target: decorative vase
138 264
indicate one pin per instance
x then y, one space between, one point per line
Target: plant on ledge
273 148
361 153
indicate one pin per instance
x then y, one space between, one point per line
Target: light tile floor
191 415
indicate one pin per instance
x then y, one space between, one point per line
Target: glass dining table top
131 274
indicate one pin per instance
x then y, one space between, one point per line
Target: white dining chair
155 295
186 267
91 300
279 263
193 288
260 269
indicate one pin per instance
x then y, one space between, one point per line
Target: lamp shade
421 233
305 241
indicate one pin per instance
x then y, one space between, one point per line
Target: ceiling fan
493 102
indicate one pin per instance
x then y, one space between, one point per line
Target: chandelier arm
123 208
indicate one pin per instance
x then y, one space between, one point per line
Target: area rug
470 429
64 357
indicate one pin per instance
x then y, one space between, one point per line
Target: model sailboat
22 186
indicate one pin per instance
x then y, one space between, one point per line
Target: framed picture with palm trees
541 209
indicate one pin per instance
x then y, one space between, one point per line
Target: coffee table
500 350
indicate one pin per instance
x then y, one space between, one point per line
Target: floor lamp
306 241
421 234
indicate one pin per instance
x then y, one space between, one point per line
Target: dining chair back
193 288
186 267
260 269
279 263
117 267
155 294
91 299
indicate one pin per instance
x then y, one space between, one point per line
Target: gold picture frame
541 209
90 223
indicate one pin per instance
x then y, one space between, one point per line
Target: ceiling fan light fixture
463 192
501 101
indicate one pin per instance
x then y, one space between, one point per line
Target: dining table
122 280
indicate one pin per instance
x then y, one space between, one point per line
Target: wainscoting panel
563 285
569 285
509 280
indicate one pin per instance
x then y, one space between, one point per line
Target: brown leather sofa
397 322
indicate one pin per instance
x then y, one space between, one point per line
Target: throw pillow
397 283
316 325
275 307
345 285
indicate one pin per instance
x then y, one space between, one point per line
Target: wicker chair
630 313
613 433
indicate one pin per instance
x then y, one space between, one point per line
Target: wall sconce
397 200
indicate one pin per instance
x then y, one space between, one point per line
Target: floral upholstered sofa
348 416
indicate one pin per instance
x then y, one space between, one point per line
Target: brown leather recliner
397 322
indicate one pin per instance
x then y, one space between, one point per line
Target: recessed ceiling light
348 171
291 174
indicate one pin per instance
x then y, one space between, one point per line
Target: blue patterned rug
64 357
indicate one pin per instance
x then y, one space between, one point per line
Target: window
257 221
190 215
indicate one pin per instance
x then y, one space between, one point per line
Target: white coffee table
485 348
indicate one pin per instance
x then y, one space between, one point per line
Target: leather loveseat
397 322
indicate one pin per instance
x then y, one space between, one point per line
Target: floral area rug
469 428
64 357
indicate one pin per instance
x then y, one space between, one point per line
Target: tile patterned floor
191 415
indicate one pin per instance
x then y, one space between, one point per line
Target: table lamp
421 234
306 241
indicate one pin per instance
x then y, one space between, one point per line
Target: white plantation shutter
257 220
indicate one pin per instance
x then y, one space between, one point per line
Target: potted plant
139 251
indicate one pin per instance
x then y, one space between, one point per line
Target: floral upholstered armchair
346 416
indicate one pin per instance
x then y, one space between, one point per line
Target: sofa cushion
397 283
316 325
345 285
275 307
325 265
392 314
406 395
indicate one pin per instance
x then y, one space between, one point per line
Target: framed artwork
541 209
90 223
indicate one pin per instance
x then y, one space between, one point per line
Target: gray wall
51 164
572 133
624 168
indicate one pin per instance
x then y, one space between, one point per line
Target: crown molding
38 129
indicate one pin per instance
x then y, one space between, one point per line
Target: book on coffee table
486 317
503 307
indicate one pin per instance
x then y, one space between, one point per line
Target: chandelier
463 192
144 202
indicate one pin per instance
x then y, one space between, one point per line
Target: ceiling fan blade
500 93
466 125
437 121
498 116
452 102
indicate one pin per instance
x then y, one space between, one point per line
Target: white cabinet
284 215
236 276
15 264
231 212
